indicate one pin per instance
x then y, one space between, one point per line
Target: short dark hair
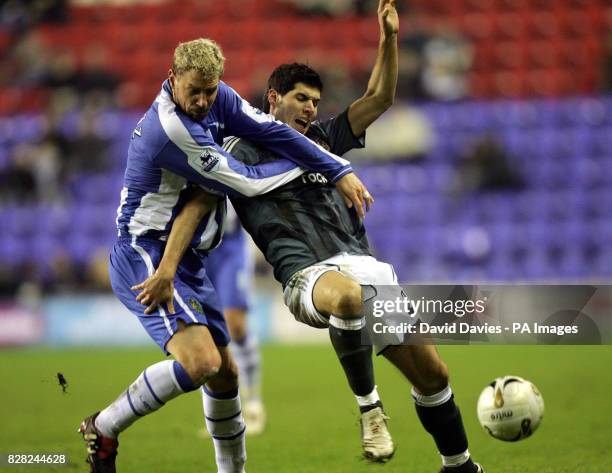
285 76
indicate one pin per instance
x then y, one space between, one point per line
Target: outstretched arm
194 155
158 288
380 93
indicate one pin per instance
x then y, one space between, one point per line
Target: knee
226 379
202 366
229 373
435 380
349 302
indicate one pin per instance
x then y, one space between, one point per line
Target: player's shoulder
178 127
227 98
318 133
148 135
224 89
164 110
224 93
325 126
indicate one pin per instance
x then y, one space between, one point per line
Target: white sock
455 460
347 324
156 385
368 399
226 427
247 357
434 399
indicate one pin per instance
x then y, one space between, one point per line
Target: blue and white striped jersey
168 150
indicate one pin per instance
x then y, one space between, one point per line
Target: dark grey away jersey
306 220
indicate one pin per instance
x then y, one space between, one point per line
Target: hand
388 18
156 290
354 193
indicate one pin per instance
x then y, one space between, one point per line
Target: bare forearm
380 92
385 67
376 70
383 81
381 89
183 230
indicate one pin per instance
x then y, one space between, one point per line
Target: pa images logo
196 306
208 160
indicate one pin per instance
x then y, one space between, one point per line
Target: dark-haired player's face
193 93
298 107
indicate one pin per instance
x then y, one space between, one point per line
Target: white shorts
365 270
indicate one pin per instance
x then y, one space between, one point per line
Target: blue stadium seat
519 115
378 179
601 141
45 249
55 220
97 188
93 220
495 206
20 221
519 142
14 251
80 248
591 112
409 179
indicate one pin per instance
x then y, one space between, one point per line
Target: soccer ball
510 408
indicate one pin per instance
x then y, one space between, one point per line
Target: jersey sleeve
245 121
339 134
195 156
246 152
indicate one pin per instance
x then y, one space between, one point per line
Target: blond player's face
298 107
193 93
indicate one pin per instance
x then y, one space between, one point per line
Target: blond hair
201 55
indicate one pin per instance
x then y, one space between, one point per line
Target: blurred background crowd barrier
494 165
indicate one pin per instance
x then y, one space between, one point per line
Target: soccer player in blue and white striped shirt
177 142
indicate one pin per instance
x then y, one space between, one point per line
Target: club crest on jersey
208 160
195 305
138 130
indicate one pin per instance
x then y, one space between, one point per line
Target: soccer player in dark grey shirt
320 253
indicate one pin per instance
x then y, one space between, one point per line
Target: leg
245 349
435 404
231 270
192 335
421 365
197 359
223 416
339 298
319 294
194 348
236 319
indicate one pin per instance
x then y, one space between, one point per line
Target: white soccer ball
510 408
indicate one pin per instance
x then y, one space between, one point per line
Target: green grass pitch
313 419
